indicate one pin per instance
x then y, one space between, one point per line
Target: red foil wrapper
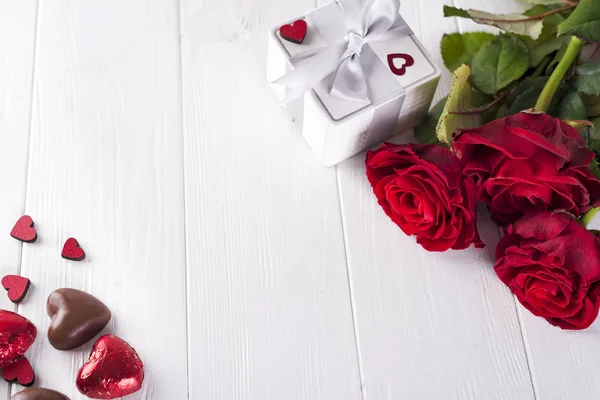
16 335
113 370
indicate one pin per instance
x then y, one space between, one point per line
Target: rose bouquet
518 133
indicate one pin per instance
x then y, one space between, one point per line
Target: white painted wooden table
236 265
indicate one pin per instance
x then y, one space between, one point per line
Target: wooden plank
105 167
431 326
562 363
269 305
17 43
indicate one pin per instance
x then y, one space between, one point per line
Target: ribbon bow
347 62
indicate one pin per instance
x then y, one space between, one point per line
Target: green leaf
459 48
502 112
499 63
482 100
455 12
544 46
595 169
592 105
584 21
542 1
587 78
571 107
425 132
592 138
525 95
514 23
551 20
547 43
459 99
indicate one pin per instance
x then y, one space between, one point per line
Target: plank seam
522 332
27 164
184 201
352 307
520 321
526 348
35 40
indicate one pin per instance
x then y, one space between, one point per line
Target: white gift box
338 129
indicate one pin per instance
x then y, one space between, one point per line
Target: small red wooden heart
295 33
24 230
409 61
72 251
17 287
19 371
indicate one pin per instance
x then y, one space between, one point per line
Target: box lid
405 56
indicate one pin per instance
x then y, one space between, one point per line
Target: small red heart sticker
295 32
17 287
19 371
24 230
72 251
409 61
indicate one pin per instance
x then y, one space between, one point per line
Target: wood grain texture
105 167
269 306
169 165
425 317
562 363
17 42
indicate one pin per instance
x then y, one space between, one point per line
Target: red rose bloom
421 188
552 264
528 162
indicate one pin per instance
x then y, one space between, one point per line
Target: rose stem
589 216
573 50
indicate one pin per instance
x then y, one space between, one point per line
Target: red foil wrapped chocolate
16 335
113 370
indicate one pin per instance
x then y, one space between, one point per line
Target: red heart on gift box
72 251
17 287
19 371
24 230
295 32
409 61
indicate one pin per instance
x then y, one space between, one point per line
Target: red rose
421 188
552 264
528 162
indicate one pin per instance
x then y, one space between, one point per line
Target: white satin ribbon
347 60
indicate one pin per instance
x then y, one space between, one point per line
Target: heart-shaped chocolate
38 394
19 371
16 335
76 318
113 370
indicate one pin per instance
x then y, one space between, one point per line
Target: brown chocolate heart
76 318
38 394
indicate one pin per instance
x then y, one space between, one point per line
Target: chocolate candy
113 370
76 318
39 394
16 335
